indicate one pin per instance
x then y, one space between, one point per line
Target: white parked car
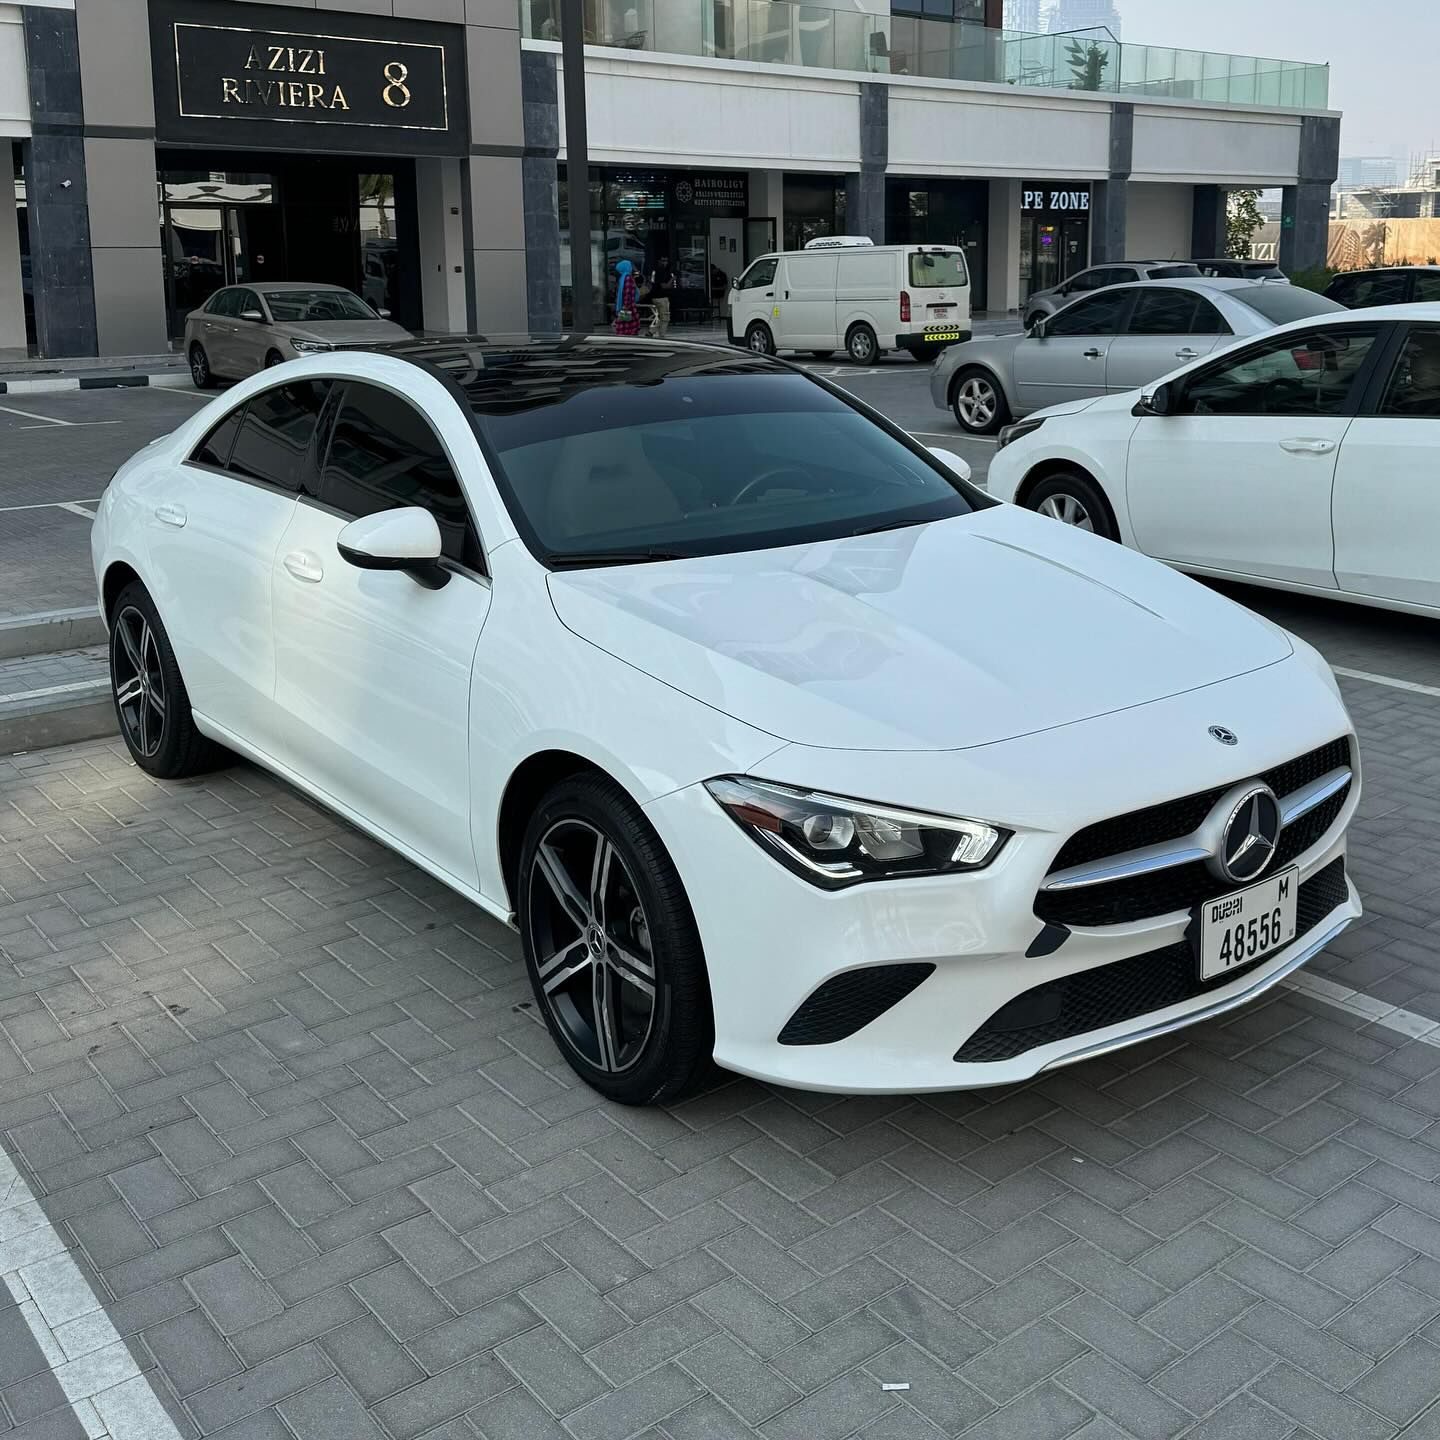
866 299
1303 460
750 713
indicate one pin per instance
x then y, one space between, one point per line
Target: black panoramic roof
505 376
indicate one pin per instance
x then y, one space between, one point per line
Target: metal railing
788 32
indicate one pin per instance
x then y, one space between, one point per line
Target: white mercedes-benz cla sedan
750 713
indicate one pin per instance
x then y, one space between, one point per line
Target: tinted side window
248 300
762 272
1414 387
224 302
1163 312
1310 372
1390 288
214 449
1427 287
1099 315
383 454
274 442
1087 280
1120 275
1207 320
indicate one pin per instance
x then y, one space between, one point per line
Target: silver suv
1097 277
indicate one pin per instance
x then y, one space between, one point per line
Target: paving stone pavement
287 1102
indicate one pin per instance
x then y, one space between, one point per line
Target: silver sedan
245 328
1110 341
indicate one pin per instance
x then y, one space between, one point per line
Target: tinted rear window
1282 303
930 270
1173 272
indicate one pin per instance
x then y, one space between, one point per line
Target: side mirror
383 314
407 539
950 460
252 315
1039 327
1159 401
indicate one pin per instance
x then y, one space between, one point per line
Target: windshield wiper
585 559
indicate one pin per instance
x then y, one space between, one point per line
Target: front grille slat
1110 994
1141 897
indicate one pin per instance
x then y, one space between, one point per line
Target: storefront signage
713 194
226 83
1037 195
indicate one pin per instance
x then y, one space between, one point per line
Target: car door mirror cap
383 314
406 539
252 315
1039 326
1159 401
954 463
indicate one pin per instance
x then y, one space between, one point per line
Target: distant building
1085 15
1367 198
1023 15
1366 172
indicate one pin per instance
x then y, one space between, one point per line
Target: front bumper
969 941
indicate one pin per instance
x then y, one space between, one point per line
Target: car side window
1163 312
1121 275
224 302
247 300
1306 372
1414 385
1427 287
1097 315
214 449
762 272
1385 288
384 454
1207 320
1085 280
273 444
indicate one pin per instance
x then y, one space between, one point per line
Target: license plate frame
1244 926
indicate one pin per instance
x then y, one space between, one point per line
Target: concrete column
1305 206
540 88
1207 230
1002 247
442 245
865 192
12 293
492 179
125 243
1109 208
55 187
767 202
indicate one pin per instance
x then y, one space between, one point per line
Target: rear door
1168 327
1069 362
1387 482
806 301
939 287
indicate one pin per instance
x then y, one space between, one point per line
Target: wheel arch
118 574
1044 468
973 362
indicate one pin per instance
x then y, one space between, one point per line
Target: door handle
1187 354
1093 354
304 566
1308 447
171 515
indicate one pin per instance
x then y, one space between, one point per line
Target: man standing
662 287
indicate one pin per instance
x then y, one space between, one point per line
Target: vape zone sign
233 83
1037 196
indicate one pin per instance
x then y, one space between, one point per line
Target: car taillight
904 307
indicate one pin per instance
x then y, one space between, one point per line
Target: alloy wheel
139 682
1068 510
592 946
199 368
976 402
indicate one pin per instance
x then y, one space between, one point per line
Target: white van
868 299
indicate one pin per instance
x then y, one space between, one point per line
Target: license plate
1246 925
931 333
940 312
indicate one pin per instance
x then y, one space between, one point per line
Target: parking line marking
31 415
104 1385
46 505
70 687
955 435
1389 680
1392 1017
75 508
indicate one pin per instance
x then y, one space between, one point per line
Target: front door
373 668
1240 478
1068 363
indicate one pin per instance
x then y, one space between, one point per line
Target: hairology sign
228 83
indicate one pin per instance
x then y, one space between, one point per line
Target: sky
1382 55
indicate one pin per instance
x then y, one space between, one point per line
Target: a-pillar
1002 247
1109 198
1305 206
1209 237
865 192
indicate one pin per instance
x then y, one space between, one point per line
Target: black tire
643 910
759 339
140 652
861 345
273 358
978 401
925 354
200 372
1073 499
822 354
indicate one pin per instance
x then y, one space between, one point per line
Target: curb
52 631
49 384
60 723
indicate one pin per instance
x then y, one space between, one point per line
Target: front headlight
1010 433
309 347
833 842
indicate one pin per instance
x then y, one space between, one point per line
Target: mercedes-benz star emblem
1249 834
1224 736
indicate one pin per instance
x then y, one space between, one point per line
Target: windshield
1279 303
316 307
931 269
701 459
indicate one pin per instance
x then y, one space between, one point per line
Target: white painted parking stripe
1392 1017
31 415
47 505
1414 686
71 687
76 508
956 435
91 1363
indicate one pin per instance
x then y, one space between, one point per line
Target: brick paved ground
288 1102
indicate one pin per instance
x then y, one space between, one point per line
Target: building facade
414 150
1085 15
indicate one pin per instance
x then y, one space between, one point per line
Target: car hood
936 637
344 332
1069 407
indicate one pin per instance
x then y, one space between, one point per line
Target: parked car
1392 285
866 298
652 652
1231 269
1101 277
1304 460
1108 342
245 328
